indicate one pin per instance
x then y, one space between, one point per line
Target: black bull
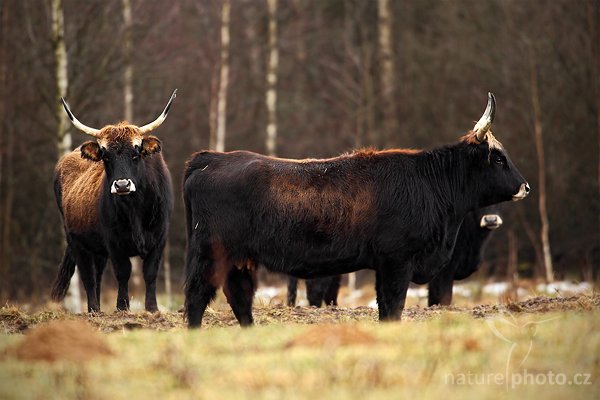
115 198
396 211
472 236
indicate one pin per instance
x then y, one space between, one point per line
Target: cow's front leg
122 267
151 265
393 285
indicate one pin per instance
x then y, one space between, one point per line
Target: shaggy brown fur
81 182
122 132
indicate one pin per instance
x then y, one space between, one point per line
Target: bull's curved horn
90 131
161 118
485 122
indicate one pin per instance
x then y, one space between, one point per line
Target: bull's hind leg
122 267
239 289
199 290
315 291
85 263
333 289
292 290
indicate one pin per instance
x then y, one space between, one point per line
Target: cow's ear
91 150
150 145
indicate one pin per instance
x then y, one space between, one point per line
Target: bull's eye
498 159
135 157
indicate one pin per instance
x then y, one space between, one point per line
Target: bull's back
78 184
316 209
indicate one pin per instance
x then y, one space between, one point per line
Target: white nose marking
122 186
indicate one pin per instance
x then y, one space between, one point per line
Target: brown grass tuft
332 336
55 341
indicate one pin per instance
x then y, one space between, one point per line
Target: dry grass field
542 348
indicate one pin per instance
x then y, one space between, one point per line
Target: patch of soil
66 340
14 320
331 336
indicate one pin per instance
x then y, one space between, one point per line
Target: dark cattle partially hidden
396 211
318 290
474 233
115 197
472 236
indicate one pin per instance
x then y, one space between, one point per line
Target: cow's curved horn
485 122
161 118
90 131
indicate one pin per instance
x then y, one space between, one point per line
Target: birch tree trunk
136 262
218 143
63 136
386 61
128 78
272 66
539 147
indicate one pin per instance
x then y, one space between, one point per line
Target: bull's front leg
151 264
440 287
122 267
380 301
393 285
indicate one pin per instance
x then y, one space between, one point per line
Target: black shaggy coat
396 211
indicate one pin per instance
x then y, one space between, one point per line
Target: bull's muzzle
522 193
122 187
490 221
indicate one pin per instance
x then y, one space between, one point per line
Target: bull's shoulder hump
72 167
80 182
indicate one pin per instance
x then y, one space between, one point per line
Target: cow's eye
498 159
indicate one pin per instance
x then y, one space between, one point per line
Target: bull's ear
150 145
91 151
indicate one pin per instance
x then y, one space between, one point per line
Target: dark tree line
333 94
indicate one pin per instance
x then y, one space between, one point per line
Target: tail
63 278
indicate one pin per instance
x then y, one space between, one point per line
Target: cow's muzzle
490 221
522 193
122 187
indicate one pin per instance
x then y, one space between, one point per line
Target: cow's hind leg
239 289
85 263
